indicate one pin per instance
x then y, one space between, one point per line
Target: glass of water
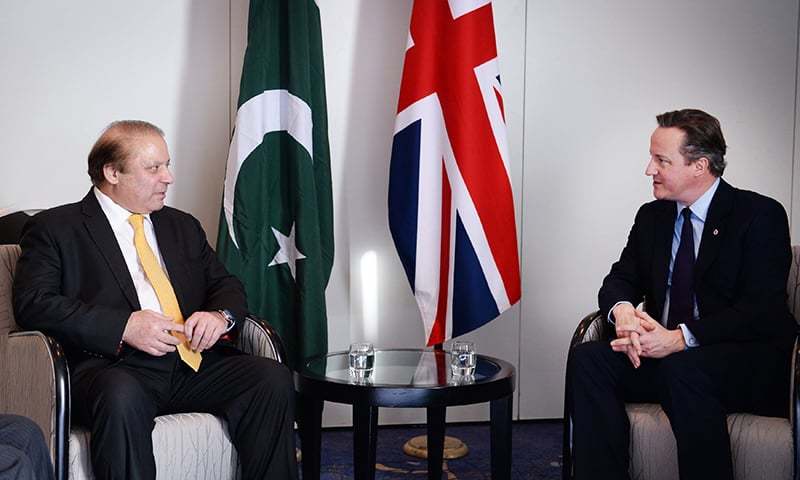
362 359
462 358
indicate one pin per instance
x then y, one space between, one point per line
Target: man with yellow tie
145 312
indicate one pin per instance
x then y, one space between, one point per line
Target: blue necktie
681 292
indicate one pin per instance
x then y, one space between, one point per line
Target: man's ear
111 173
701 165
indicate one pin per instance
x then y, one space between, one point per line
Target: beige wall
71 68
582 83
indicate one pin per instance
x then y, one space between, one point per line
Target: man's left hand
203 329
659 342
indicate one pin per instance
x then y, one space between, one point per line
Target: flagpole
453 447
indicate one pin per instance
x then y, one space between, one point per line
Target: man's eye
154 168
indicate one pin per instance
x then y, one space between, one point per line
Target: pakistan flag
276 225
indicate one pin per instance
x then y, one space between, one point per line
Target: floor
536 447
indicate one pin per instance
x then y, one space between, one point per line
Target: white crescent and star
288 252
270 111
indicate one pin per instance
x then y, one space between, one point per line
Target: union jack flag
451 210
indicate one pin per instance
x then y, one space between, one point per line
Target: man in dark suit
137 298
710 262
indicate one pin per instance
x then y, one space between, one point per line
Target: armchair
34 381
762 447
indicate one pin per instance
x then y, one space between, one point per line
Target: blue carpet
536 453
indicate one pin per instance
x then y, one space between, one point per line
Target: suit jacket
740 273
72 282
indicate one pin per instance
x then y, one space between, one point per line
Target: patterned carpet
537 453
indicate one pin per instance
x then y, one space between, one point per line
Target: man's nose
650 170
167 177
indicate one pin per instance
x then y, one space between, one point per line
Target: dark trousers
697 388
23 452
118 402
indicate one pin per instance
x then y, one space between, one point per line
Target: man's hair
703 137
114 146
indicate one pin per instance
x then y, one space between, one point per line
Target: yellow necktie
164 292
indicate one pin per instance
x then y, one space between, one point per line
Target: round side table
403 378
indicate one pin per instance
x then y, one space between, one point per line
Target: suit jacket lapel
662 251
168 246
714 228
100 231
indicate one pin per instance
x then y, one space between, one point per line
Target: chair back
12 224
8 263
793 285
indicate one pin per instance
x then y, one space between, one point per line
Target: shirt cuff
610 314
688 338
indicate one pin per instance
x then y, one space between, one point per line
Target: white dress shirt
123 231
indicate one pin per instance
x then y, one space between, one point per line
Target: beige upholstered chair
34 381
763 447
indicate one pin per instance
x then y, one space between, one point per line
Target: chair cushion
761 446
186 445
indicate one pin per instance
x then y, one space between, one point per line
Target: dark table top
405 378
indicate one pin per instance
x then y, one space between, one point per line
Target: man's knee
265 379
677 369
585 358
272 377
116 393
684 387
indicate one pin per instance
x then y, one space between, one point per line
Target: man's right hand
628 326
149 332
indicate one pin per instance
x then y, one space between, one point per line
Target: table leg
500 417
310 422
436 420
365 437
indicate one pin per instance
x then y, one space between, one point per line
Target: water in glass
462 359
362 359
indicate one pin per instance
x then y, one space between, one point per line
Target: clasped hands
149 331
638 335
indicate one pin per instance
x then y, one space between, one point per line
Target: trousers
118 403
697 389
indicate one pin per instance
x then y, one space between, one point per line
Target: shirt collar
700 207
116 214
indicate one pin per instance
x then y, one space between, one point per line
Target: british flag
451 209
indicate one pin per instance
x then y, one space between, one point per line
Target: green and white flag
276 225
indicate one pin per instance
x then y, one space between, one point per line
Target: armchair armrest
257 337
37 386
592 327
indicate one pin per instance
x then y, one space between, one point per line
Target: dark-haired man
143 308
711 263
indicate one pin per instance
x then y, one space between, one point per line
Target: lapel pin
715 232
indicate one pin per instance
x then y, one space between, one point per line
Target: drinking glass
462 358
362 359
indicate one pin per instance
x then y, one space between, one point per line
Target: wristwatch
228 316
